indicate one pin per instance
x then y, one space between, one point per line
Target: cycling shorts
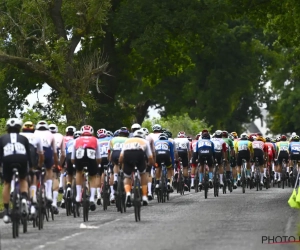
218 157
283 155
48 154
183 154
258 153
104 161
8 168
85 161
295 157
243 154
134 158
70 168
115 156
164 158
203 157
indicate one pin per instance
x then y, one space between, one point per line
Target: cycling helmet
181 134
53 128
205 135
163 130
76 134
168 133
14 123
124 131
234 134
260 138
28 127
278 138
231 137
283 138
268 139
218 133
109 133
225 134
189 138
293 134
163 136
146 131
156 128
116 133
295 138
87 130
42 125
139 133
197 136
70 130
135 126
101 133
244 136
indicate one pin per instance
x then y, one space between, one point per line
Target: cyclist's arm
73 153
172 153
27 147
55 157
98 153
121 156
62 152
224 149
251 149
149 154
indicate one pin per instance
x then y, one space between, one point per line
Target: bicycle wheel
137 200
118 196
84 203
105 197
40 217
15 214
243 179
196 182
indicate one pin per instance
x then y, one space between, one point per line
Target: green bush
178 123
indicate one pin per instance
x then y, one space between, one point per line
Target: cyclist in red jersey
271 154
86 152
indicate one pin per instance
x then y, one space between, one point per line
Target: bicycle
137 195
205 178
257 175
216 180
180 179
70 201
16 216
106 188
85 195
196 180
163 184
41 199
120 193
268 176
283 174
225 181
243 175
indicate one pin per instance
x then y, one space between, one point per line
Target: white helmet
42 124
135 126
156 127
244 136
14 122
218 132
76 134
71 129
53 128
146 131
87 130
139 133
293 134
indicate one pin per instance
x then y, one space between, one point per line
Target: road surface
230 221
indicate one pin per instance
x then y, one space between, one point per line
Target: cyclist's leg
79 179
7 177
149 181
159 160
279 166
193 170
127 169
113 181
221 168
48 153
185 163
99 178
93 170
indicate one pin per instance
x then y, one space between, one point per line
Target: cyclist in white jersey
50 154
37 158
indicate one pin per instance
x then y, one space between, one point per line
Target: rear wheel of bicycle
137 202
15 215
105 197
40 216
24 223
85 203
243 180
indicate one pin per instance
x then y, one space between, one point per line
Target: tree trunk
141 110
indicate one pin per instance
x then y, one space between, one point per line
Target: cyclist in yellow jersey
243 148
282 153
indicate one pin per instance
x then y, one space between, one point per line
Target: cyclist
14 149
220 153
282 153
193 159
271 154
182 145
164 153
244 150
294 149
70 130
86 152
103 140
156 131
61 152
37 158
115 148
50 154
133 154
230 154
134 127
260 151
149 167
205 151
69 166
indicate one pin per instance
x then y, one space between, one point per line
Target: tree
39 40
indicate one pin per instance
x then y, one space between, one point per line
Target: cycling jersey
133 154
164 151
271 150
205 150
49 146
35 145
155 136
86 151
115 147
220 146
282 146
69 149
243 145
182 146
294 149
67 138
14 149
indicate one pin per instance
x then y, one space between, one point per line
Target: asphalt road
230 221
